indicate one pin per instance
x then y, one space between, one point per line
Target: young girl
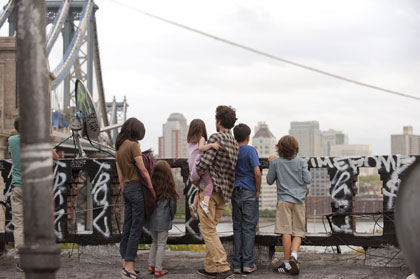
160 222
196 138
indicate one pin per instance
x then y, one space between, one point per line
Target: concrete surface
104 262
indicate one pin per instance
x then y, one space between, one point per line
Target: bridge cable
271 56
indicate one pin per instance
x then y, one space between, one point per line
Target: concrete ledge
387 256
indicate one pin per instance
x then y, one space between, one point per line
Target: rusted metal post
40 254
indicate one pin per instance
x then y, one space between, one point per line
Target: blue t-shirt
244 171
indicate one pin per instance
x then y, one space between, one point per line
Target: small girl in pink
196 138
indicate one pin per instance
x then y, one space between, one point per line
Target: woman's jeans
133 221
157 251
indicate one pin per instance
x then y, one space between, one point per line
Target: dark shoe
282 269
295 266
225 275
19 268
126 274
250 269
207 274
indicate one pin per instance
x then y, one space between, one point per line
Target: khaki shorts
290 219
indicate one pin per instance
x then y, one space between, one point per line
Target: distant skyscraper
331 138
309 137
265 143
342 150
173 142
405 144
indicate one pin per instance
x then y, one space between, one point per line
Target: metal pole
40 254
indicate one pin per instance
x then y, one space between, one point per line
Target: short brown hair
196 130
226 115
163 181
288 147
241 132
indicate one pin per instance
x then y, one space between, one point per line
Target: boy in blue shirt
245 196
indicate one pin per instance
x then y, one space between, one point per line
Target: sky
162 68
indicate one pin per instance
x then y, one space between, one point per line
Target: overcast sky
162 69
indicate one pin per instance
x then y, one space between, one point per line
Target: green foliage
228 211
267 213
180 210
370 179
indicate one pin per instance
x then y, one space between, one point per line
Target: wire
271 56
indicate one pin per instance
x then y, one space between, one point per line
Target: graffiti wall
106 205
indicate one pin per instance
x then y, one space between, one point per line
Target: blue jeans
133 221
245 219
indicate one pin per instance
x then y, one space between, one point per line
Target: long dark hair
196 131
132 129
163 181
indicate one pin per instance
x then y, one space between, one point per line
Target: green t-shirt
14 150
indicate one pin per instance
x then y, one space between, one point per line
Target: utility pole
40 254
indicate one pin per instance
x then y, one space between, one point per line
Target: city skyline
171 69
331 142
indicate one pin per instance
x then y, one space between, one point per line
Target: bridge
94 181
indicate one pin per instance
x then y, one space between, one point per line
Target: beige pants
17 218
216 259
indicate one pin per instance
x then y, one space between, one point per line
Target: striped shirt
221 163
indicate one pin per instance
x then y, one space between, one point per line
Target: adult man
221 165
16 197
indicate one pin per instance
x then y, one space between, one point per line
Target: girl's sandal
160 273
126 274
151 269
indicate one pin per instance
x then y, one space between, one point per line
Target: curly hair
288 147
132 129
226 115
163 181
196 130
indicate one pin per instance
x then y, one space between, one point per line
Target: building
345 150
331 138
265 143
309 137
173 142
405 144
8 94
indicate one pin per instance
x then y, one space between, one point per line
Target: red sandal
160 273
151 269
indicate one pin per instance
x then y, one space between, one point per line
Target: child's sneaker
282 269
193 212
295 266
205 207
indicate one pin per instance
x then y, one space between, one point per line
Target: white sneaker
250 269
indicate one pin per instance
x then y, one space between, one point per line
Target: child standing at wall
160 222
291 174
196 138
245 196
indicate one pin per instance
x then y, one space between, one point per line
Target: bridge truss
80 57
